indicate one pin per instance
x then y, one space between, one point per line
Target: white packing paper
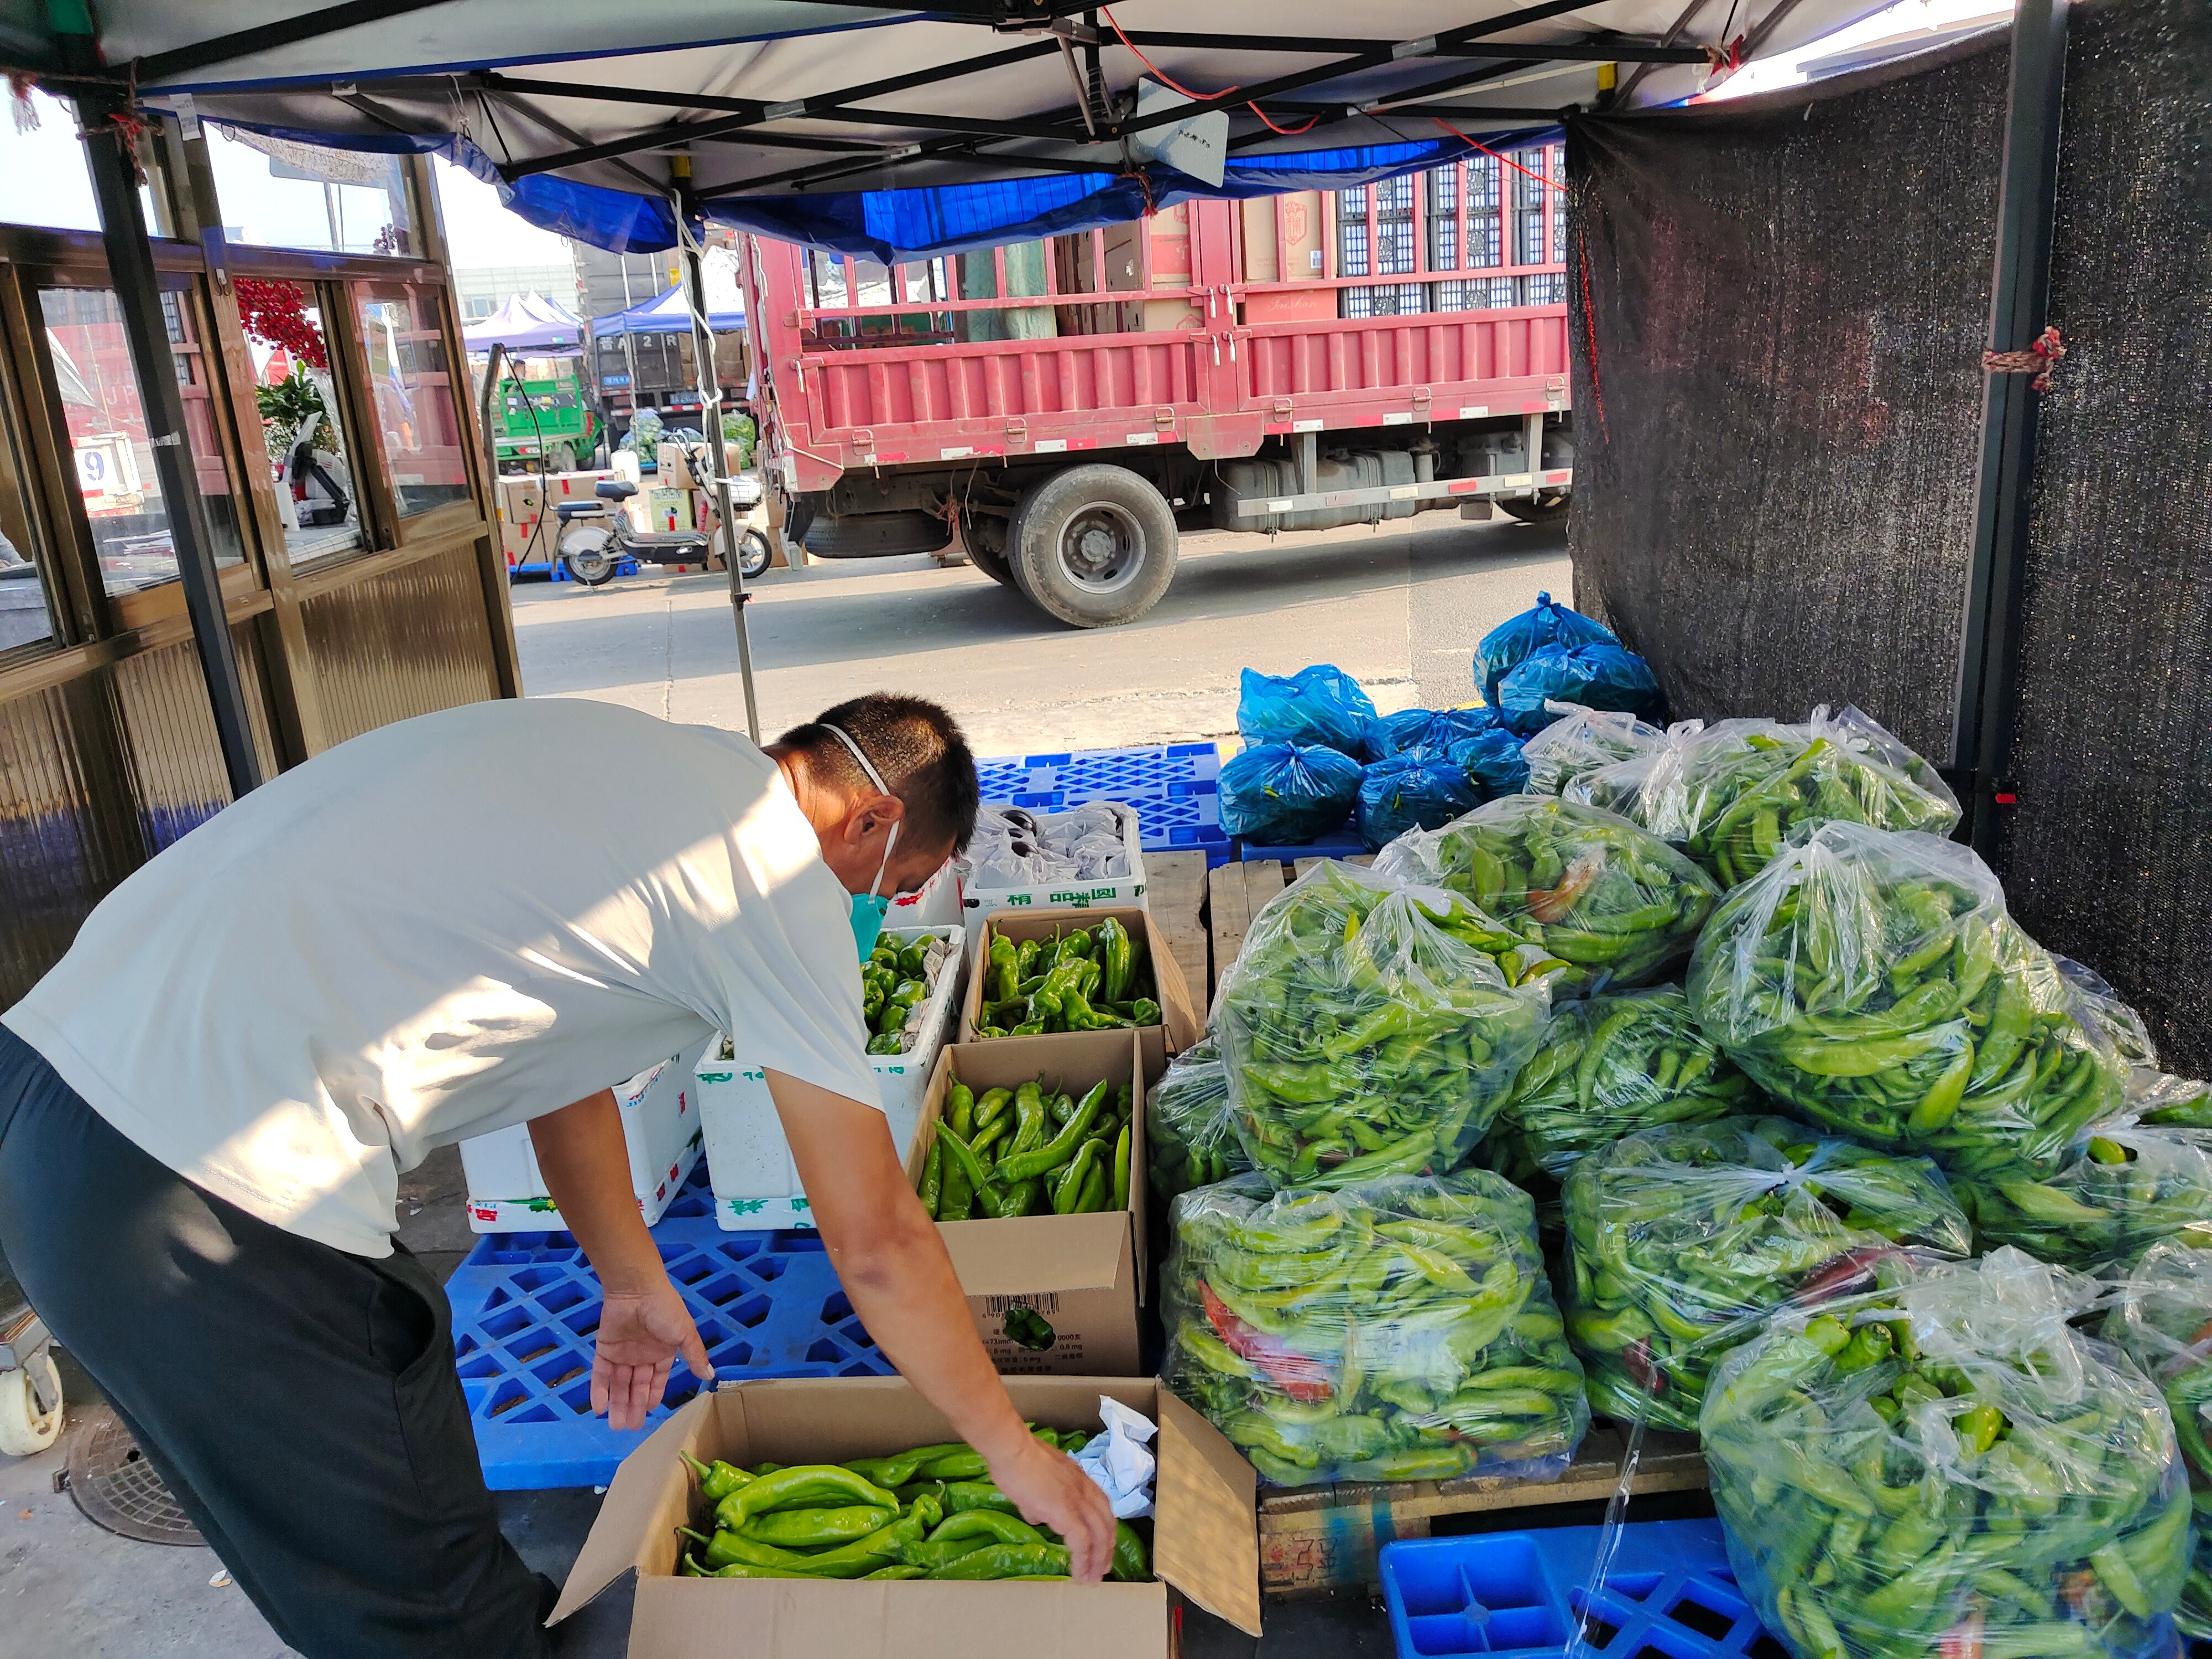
1118 1461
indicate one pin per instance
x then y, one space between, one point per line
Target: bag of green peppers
1190 1127
1583 740
1871 981
2161 1318
1398 1329
1732 793
1943 1466
1588 888
1684 1239
2156 1096
2128 1185
1605 1068
1368 1031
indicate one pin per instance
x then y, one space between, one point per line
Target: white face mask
869 909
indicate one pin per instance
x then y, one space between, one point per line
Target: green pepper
1116 960
994 1526
805 1529
1133 1562
717 1480
964 1495
1008 1561
1022 1165
808 1486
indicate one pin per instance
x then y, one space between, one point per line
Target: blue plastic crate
526 1306
1339 844
1084 775
1670 1590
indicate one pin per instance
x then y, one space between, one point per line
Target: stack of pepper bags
2161 1318
1190 1127
1368 1031
1396 1329
1587 888
1030 1151
1682 1241
1979 1478
1871 982
1088 980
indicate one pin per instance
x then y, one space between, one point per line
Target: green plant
292 409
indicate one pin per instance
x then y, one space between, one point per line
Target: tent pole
710 412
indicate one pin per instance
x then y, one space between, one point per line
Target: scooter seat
614 490
567 510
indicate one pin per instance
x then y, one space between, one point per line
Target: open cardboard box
1083 1275
1205 1539
1179 1025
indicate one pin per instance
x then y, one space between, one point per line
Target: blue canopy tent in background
669 313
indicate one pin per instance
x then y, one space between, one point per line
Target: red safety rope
1590 337
2038 360
1500 154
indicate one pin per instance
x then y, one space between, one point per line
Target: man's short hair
919 749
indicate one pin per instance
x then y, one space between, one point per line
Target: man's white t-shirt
442 927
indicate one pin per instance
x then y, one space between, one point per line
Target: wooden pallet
1175 893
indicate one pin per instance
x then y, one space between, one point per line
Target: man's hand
1051 1491
639 1336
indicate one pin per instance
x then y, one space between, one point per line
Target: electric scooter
595 538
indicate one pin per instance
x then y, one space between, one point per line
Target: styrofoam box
749 1162
977 901
935 904
661 1125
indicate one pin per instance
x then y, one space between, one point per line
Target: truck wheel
1094 545
1548 508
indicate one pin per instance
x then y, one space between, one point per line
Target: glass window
302 432
413 392
115 470
276 192
26 617
44 179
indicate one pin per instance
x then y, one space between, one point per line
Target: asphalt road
1400 608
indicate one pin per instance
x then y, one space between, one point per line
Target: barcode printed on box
1043 1302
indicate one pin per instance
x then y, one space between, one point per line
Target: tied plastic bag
1399 1329
1427 733
1320 705
1280 793
2128 1186
1493 763
1684 1239
1368 1030
1626 787
1872 982
1606 1068
1190 1127
1409 793
1611 902
1507 646
1014 847
1979 1479
1582 740
1603 674
2161 1318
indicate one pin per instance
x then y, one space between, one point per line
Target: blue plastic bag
1286 794
1405 793
1426 733
1509 644
1604 675
1493 763
1321 704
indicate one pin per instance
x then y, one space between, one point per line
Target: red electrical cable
1163 78
1500 154
1287 132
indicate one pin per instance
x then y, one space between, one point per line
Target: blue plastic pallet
1084 775
1669 1591
526 1306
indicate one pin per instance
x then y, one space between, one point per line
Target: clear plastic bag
1871 981
1407 792
1944 1466
2128 1185
1369 1030
1612 902
1280 793
2161 1098
1427 733
1626 786
1580 740
1602 674
1321 704
2100 1005
1398 1329
1190 1127
1684 1239
1548 622
2161 1318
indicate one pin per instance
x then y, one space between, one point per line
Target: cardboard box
1083 1275
575 486
675 470
660 1126
1179 1025
978 898
658 510
755 1180
1205 1545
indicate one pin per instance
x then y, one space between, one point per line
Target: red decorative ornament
276 313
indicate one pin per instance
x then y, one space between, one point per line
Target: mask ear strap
876 778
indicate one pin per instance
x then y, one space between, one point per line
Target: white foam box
660 1115
756 1180
978 901
935 904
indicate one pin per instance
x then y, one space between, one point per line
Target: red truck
1291 362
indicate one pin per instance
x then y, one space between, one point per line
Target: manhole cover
116 1488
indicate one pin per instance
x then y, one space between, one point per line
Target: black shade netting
1778 312
2108 854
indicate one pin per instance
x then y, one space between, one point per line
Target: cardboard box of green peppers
897 981
930 1512
2128 1185
1398 1329
1603 901
1732 793
2161 1318
1871 981
1682 1240
1190 1127
1032 1151
1945 1466
1088 979
1369 1030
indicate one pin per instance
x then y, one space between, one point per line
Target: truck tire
985 538
877 535
1548 508
1094 545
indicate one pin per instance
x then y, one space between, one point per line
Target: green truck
544 420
